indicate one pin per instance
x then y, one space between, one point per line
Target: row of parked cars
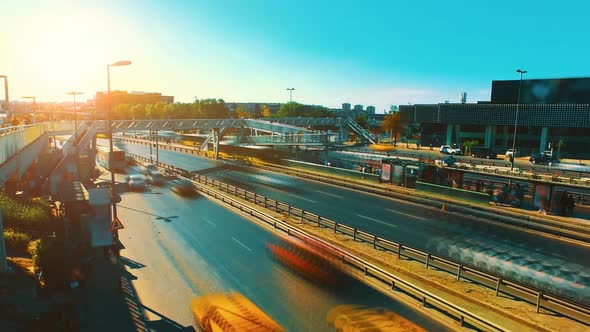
543 158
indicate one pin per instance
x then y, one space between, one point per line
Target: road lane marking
377 221
329 194
303 198
240 243
406 214
209 221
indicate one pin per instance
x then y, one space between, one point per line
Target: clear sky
363 52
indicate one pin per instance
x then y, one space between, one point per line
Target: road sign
116 224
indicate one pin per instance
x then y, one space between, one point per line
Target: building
346 107
463 98
550 111
358 108
131 98
371 110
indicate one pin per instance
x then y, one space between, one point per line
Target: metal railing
540 298
14 139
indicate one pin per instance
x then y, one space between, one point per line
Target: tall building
463 97
371 110
346 107
358 108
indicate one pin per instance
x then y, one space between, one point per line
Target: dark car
483 152
542 159
183 187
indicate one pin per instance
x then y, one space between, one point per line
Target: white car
511 152
447 149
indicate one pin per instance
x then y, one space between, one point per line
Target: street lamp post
290 94
75 93
109 123
6 101
521 72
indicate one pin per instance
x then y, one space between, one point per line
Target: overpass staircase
362 132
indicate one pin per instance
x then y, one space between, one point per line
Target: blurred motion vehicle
183 187
307 261
136 182
152 174
483 152
449 161
349 318
542 159
230 312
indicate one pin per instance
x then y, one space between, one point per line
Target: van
483 152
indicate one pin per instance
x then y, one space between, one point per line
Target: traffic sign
116 224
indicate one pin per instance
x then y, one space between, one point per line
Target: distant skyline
376 53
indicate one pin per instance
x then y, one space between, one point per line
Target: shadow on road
165 324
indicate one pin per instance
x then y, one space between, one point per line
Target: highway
177 248
540 262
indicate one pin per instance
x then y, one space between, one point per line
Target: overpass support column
505 136
543 141
457 134
449 138
343 133
489 137
215 143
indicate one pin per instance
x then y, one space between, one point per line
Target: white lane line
209 221
303 198
377 221
329 194
240 243
406 214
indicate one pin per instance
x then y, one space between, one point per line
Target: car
147 168
155 177
448 149
512 152
103 184
183 187
483 152
542 159
136 182
448 160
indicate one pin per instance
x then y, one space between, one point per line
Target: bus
116 163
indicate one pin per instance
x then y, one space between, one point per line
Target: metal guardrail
462 271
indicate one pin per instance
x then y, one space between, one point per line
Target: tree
291 109
121 111
362 120
137 111
265 111
559 144
242 113
468 145
392 123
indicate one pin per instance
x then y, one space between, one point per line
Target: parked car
183 187
483 152
447 149
511 152
136 182
542 159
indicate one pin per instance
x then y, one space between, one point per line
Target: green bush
16 241
49 257
32 214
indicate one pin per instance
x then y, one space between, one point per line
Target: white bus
116 163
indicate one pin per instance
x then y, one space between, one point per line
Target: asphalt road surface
178 248
551 265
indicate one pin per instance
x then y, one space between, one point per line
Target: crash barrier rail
544 224
530 294
14 139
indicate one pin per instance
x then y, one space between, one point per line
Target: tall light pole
75 93
109 123
34 102
290 94
521 72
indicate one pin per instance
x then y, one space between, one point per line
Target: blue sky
371 53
